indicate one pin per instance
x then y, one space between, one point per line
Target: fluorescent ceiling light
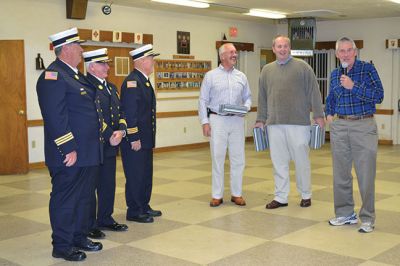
395 1
265 13
184 3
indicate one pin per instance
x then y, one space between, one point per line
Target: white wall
373 32
34 21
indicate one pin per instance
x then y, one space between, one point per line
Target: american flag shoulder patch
131 84
50 75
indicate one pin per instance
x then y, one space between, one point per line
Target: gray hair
222 48
87 64
280 36
57 50
345 39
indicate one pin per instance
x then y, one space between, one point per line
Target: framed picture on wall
183 42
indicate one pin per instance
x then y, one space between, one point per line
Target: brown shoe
305 203
238 201
275 204
216 202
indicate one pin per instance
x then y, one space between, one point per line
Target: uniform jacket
71 122
139 106
113 118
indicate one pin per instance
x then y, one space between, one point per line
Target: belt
355 117
214 113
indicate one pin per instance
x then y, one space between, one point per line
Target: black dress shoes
275 204
71 255
305 203
96 234
115 227
142 218
154 213
90 246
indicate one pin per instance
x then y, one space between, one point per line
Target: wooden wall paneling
128 37
106 36
39 122
331 45
35 123
387 43
118 52
85 34
112 53
240 46
384 111
147 38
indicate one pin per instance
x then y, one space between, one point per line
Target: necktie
105 86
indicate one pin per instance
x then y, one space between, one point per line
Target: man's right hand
70 158
259 124
116 137
329 119
136 145
206 130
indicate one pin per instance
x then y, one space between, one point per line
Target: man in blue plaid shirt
355 89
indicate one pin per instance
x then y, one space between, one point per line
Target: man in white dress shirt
225 85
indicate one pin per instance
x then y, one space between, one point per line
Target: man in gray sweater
288 90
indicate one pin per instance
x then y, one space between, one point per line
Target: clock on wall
106 9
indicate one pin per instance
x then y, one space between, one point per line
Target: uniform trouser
70 204
227 132
354 142
138 169
290 142
105 188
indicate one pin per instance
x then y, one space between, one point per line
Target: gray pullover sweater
287 93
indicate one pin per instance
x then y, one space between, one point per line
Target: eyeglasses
346 51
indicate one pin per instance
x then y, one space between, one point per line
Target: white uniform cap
145 50
65 37
99 55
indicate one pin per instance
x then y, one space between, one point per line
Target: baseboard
37 165
249 139
385 142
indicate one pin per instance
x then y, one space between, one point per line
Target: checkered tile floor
192 233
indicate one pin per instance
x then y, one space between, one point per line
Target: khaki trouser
290 142
227 132
354 142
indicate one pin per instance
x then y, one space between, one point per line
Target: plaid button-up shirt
367 91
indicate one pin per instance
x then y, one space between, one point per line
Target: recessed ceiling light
189 3
265 14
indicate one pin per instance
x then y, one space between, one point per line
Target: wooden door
113 53
13 120
266 56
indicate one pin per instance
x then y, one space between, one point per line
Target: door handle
21 112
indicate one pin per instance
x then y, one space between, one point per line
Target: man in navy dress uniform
139 106
113 129
72 146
